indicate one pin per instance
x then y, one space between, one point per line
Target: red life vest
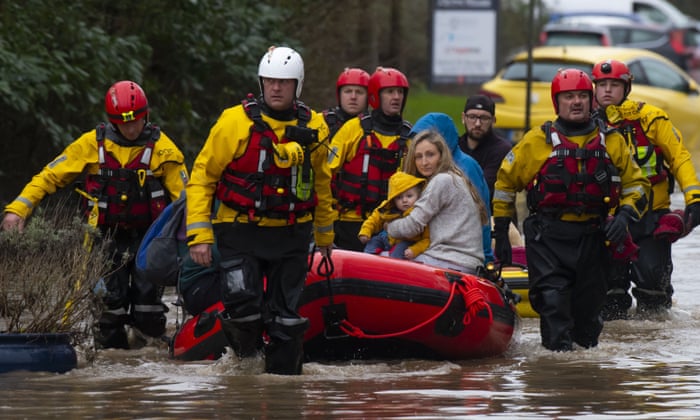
649 157
128 196
573 179
254 185
363 183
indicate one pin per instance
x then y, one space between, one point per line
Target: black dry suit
263 269
567 259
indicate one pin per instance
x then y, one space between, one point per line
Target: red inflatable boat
363 306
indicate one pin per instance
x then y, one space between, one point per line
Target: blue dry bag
158 258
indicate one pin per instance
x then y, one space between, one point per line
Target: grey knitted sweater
448 209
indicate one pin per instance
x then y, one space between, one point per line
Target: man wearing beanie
479 141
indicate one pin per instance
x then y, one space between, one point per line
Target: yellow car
656 81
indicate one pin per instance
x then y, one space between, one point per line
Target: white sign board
463 45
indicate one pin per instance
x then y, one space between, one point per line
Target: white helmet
282 63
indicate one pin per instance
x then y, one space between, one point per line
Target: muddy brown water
642 369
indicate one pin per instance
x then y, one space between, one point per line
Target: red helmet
385 77
613 69
351 76
125 101
567 80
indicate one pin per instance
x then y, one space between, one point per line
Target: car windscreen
622 35
542 71
555 38
657 74
598 19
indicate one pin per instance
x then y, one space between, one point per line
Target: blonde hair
445 164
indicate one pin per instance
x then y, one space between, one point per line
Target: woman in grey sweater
450 206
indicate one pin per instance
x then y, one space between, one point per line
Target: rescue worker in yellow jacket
259 186
133 171
574 174
657 146
351 96
365 152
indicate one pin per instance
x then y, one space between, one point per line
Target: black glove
616 228
692 216
502 250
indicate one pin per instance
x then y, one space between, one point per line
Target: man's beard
482 136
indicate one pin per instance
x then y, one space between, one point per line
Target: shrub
48 273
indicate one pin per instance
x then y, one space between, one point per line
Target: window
574 38
618 35
657 74
637 35
640 77
643 35
651 14
542 71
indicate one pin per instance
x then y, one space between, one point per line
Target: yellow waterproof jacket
399 183
524 161
379 216
167 164
343 149
661 132
228 140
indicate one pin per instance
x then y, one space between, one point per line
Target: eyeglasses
484 119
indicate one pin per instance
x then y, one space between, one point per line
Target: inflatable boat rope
473 296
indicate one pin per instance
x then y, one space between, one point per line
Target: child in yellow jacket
404 190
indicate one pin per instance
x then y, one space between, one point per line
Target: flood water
642 369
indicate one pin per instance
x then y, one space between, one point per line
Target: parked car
560 34
594 17
659 12
656 80
670 42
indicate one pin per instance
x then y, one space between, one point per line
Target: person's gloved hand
626 250
616 228
671 226
692 216
288 154
502 248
